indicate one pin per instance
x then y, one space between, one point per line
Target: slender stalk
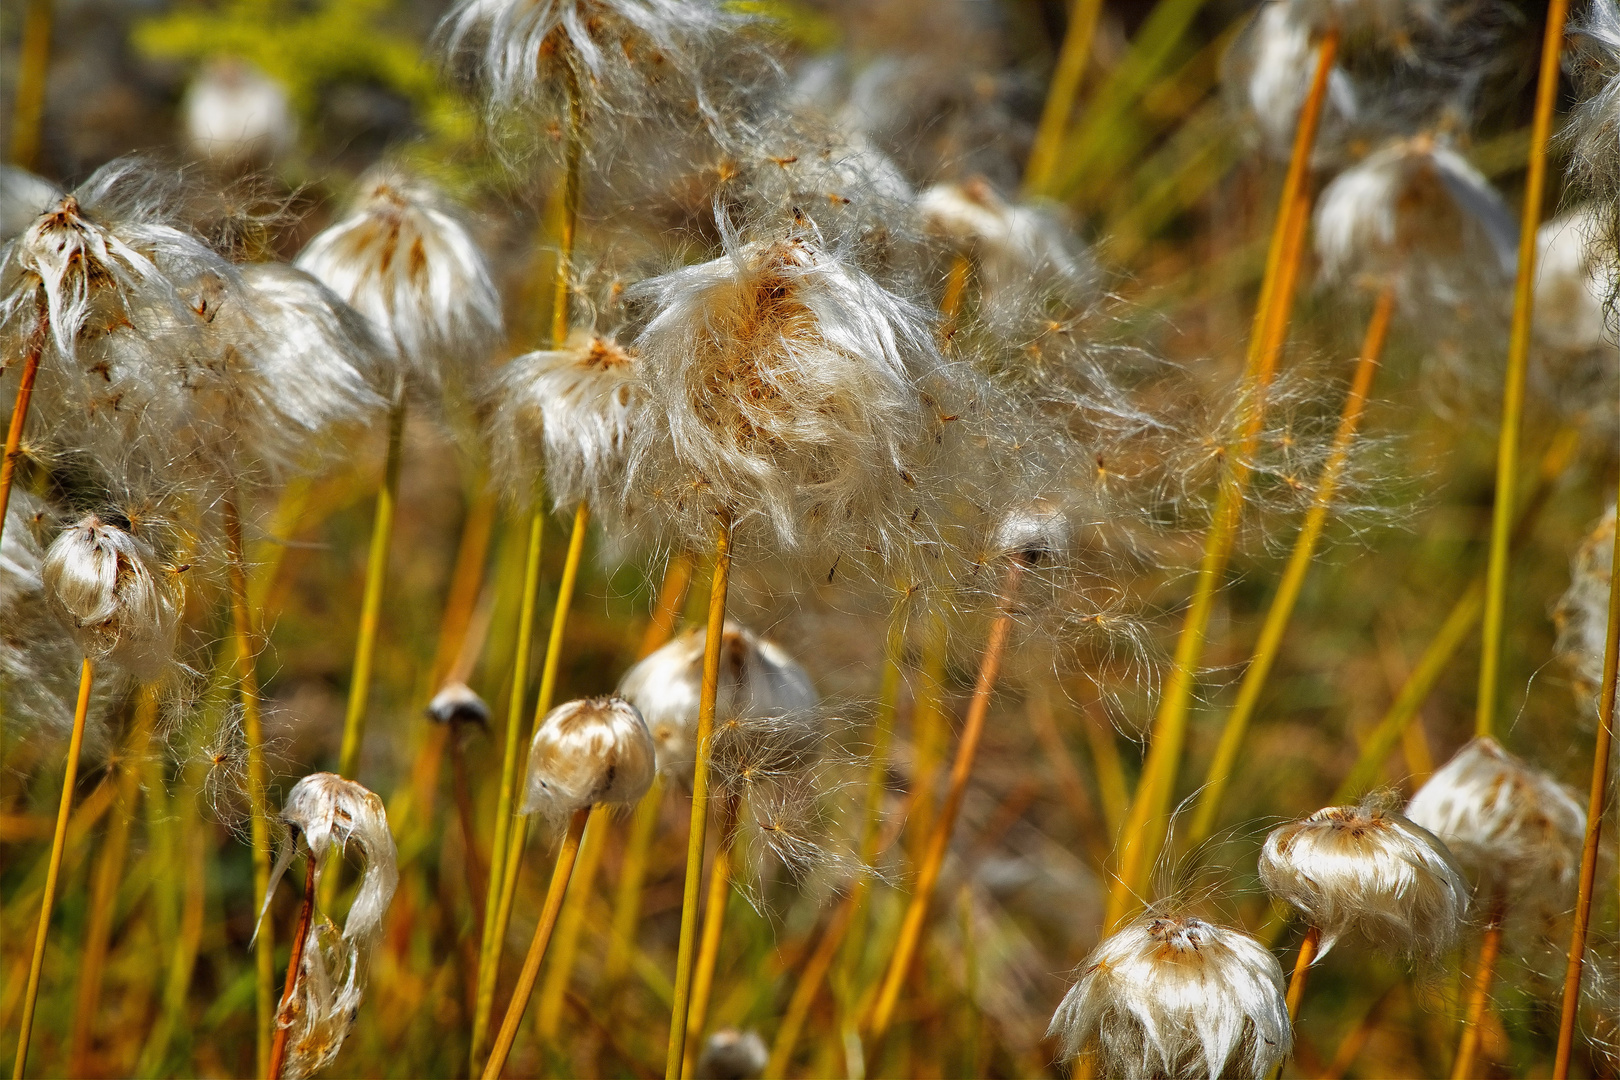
70 775
1518 364
1490 948
1060 95
247 681
569 925
104 887
714 922
1596 807
477 880
1141 838
804 993
19 411
1375 750
911 927
927 731
28 107
697 834
517 837
466 581
667 608
1302 966
284 1018
365 646
560 874
1293 579
484 995
1112 790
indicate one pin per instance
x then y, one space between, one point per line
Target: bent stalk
306 912
1490 947
714 922
70 775
698 833
19 412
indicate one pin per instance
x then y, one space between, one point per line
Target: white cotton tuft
730 1054
1034 534
1582 614
594 750
108 588
1268 71
1517 829
1175 996
235 115
23 198
1358 869
565 415
403 260
1572 283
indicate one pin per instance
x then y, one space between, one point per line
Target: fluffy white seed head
1518 830
595 750
614 51
758 680
456 703
109 589
787 389
1034 534
1356 868
1175 996
235 115
565 414
1572 283
1268 73
730 1054
1582 614
1594 125
1415 214
23 198
329 813
403 260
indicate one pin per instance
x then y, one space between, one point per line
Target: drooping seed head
565 414
236 115
109 589
456 703
1359 869
594 750
405 262
1175 996
1518 830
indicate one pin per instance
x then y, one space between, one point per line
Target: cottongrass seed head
329 813
1361 869
1175 996
594 750
1517 829
407 263
789 389
1582 613
458 703
565 415
235 115
116 598
730 1054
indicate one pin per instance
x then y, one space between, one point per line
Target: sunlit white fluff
594 750
403 260
785 386
1593 130
1034 533
1582 614
1415 214
565 415
758 679
1175 996
23 198
611 48
1269 70
1572 283
235 115
329 813
730 1054
109 589
39 659
1517 829
1019 247
1360 869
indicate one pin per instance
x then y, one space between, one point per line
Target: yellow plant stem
1375 750
698 831
466 581
365 648
1113 791
104 887
70 776
569 926
927 731
632 878
804 993
939 839
1596 806
247 683
477 872
1293 579
1060 95
284 1017
560 873
1296 983
667 608
19 411
714 923
1490 948
1513 384
1355 1039
1143 834
28 105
